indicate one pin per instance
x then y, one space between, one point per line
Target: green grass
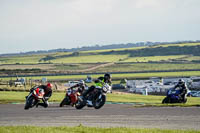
162 74
136 48
83 129
180 45
50 67
117 67
193 58
90 59
120 67
153 58
149 100
134 98
119 76
71 67
112 68
28 66
29 59
108 50
10 97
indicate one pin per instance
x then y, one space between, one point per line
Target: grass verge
82 129
138 100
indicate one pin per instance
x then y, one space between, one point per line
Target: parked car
196 94
118 86
195 83
71 83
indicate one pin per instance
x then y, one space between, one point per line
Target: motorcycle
96 98
173 97
71 97
34 97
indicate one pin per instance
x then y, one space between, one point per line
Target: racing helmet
181 82
82 82
49 85
107 77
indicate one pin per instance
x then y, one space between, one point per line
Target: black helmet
107 77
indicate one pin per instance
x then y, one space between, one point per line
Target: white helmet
181 82
82 82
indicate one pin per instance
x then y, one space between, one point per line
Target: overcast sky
27 25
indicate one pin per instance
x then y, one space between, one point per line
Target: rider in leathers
98 83
47 94
183 89
81 86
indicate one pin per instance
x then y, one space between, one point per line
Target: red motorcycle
34 97
71 97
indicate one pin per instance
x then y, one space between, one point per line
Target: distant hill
189 49
159 51
97 47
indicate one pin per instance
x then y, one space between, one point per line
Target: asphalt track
111 115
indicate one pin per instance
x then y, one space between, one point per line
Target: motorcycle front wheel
80 104
29 103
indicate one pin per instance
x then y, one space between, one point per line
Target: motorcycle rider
183 89
47 94
81 86
98 83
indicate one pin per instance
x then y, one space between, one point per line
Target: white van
71 83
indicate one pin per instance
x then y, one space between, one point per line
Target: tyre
80 104
185 100
29 103
165 100
65 101
98 103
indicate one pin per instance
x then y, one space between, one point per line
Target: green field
90 59
153 58
117 67
116 76
82 129
180 45
120 67
192 58
29 59
73 67
95 59
13 97
96 56
125 59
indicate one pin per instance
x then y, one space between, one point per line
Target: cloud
36 24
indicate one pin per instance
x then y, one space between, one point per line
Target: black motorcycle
96 98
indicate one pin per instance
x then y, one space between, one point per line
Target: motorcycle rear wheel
80 104
65 101
165 100
185 100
